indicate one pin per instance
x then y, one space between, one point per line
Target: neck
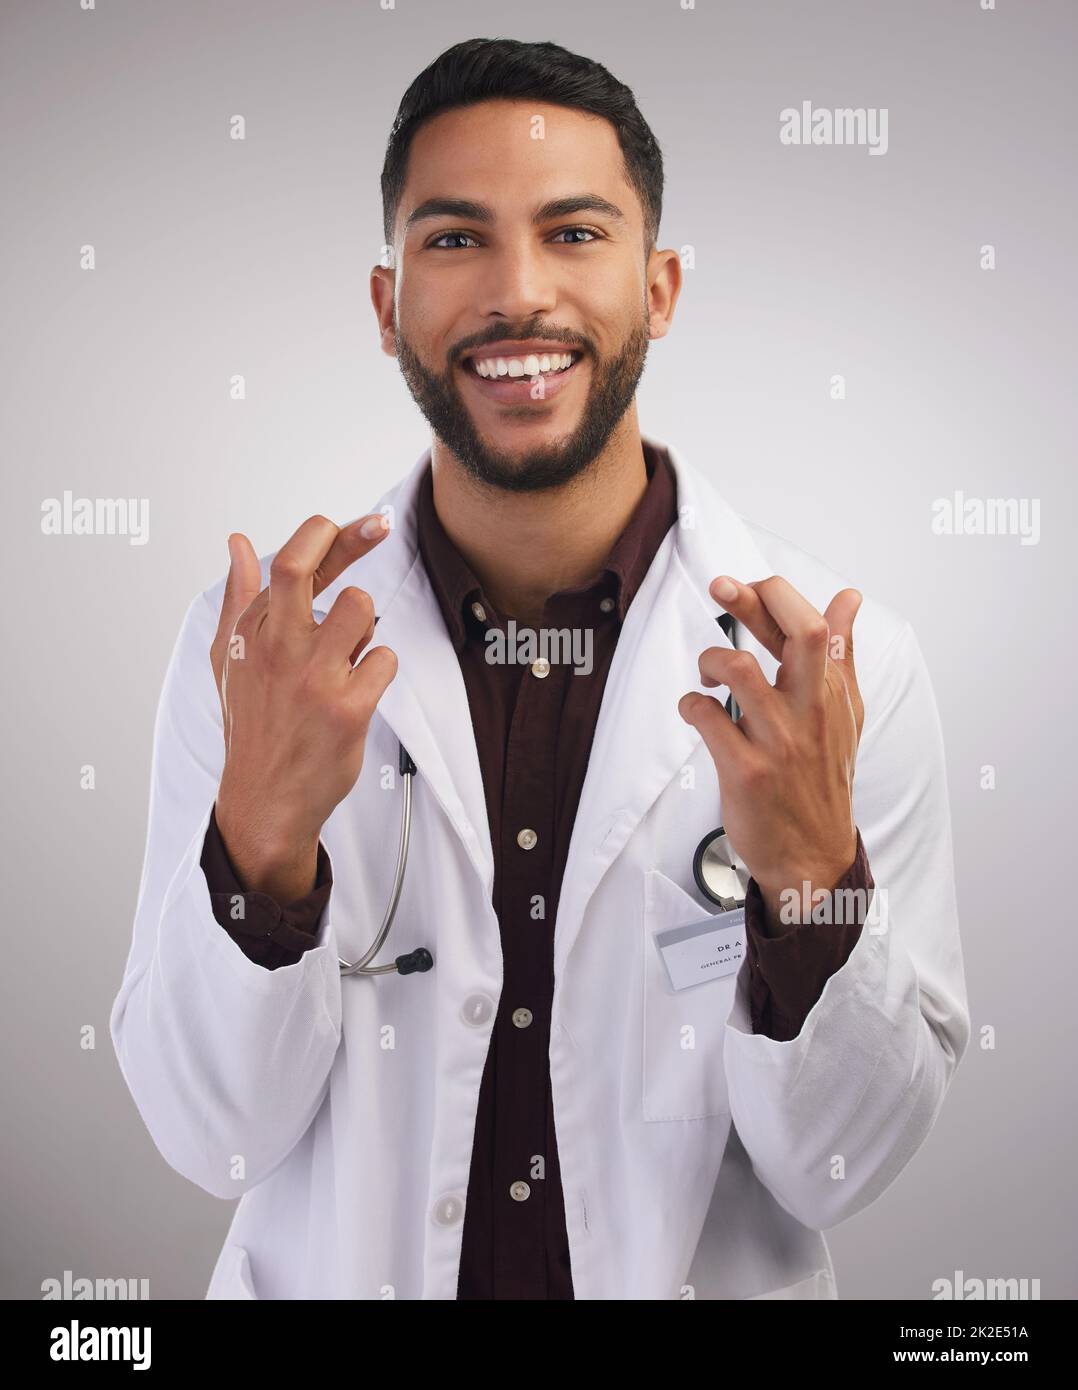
524 546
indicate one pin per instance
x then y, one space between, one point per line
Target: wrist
268 859
791 899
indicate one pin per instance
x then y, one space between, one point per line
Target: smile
515 378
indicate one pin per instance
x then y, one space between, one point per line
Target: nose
517 282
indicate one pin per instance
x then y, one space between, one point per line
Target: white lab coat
342 1112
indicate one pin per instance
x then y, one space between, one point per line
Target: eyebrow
480 212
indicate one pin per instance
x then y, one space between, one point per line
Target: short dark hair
506 69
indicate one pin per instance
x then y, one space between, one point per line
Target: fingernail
725 589
373 526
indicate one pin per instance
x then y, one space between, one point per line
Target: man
554 1110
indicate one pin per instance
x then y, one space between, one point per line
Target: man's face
526 283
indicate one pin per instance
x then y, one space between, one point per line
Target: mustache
573 340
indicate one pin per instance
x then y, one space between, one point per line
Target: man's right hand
295 711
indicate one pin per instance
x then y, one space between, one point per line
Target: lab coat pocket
232 1275
683 1073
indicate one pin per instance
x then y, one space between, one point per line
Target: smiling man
594 1070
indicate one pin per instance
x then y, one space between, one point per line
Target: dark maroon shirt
533 729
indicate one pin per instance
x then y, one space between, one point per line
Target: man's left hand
786 767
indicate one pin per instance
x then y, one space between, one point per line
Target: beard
613 385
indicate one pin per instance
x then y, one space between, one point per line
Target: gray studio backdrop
215 257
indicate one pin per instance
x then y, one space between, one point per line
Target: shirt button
479 611
527 839
522 1017
607 605
541 667
477 1009
447 1210
519 1191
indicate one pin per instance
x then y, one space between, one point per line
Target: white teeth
531 365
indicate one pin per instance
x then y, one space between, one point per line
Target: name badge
703 950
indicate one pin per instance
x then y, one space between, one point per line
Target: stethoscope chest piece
720 875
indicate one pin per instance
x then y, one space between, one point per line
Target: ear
383 289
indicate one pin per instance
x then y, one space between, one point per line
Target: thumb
242 587
839 616
244 582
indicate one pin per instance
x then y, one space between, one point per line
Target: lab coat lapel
426 706
641 742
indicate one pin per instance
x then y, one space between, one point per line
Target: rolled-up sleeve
787 973
268 933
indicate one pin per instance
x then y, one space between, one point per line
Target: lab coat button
541 667
477 1009
519 1191
527 839
522 1017
448 1210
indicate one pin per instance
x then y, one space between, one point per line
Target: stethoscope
719 874
412 962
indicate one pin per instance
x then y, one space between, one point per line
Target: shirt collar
457 589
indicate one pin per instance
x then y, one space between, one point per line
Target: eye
465 236
590 231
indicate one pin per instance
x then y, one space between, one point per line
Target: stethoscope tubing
362 966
